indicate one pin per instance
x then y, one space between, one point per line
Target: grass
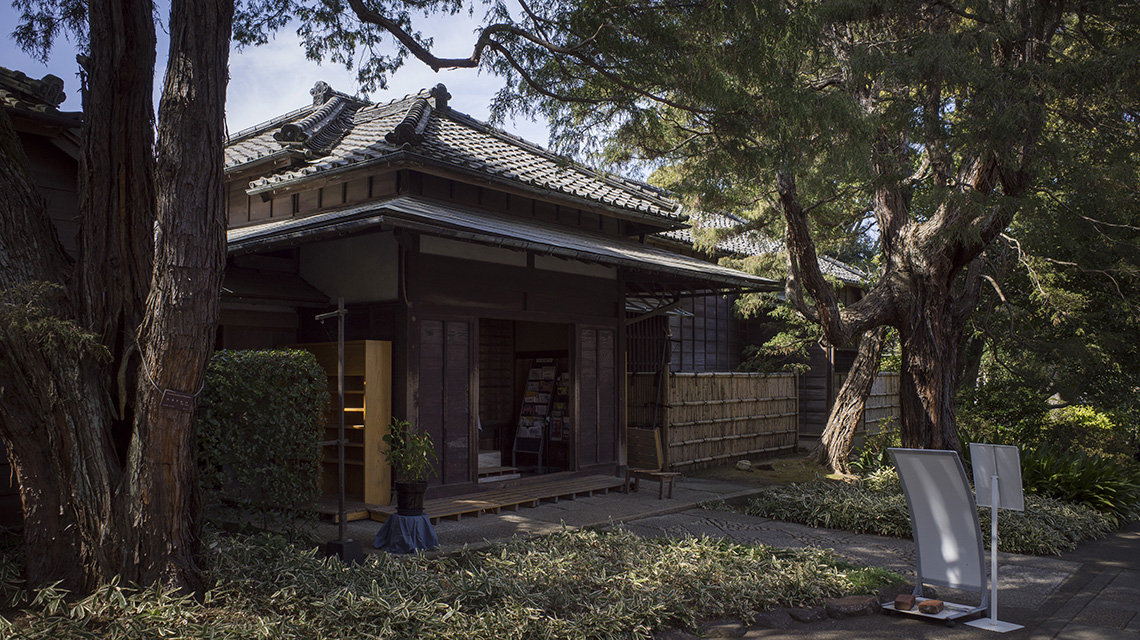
877 506
582 584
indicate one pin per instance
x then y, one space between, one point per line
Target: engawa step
527 495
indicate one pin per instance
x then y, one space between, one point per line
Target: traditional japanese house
50 139
495 275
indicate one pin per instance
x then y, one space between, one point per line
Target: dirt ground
764 472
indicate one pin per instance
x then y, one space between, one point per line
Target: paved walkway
1092 593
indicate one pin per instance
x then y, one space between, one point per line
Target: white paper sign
1003 461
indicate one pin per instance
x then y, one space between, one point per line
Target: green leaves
259 428
412 455
581 584
1047 526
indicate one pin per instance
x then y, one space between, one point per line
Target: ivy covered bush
260 418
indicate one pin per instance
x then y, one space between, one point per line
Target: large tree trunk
71 355
834 448
44 401
182 309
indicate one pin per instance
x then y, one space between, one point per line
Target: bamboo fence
711 418
882 407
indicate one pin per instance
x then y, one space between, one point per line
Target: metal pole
341 516
993 547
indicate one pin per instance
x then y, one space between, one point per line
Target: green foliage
873 456
1002 411
1048 526
27 317
1074 476
1083 428
412 455
582 584
1077 453
787 349
260 422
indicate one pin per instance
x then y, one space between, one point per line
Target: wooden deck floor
528 494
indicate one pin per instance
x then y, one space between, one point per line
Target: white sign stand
947 539
998 469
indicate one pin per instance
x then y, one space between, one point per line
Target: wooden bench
644 459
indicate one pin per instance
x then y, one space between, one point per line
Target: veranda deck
529 494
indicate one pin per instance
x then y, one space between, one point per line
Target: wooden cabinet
367 413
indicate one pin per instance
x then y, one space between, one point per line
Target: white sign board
947 537
1003 462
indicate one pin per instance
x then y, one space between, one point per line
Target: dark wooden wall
496 380
648 345
443 395
710 340
597 394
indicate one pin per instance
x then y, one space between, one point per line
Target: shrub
259 429
1084 428
1108 486
873 456
877 506
580 584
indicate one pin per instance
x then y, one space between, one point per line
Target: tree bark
93 509
182 309
833 450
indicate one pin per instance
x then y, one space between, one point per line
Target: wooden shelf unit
367 413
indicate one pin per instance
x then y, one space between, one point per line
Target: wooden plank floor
530 494
353 509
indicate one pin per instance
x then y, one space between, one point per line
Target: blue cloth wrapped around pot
406 534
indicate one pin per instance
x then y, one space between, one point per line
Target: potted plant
412 458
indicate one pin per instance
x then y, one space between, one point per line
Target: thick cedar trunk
834 448
929 354
45 431
90 515
116 182
182 309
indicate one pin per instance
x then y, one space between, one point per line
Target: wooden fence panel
711 418
882 409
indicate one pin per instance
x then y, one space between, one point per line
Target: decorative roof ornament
28 94
321 92
439 92
291 135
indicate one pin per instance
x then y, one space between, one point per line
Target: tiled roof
29 96
754 243
423 128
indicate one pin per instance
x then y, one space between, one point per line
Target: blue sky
274 79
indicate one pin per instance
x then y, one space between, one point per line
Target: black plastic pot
410 498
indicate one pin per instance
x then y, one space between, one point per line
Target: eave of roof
473 225
753 244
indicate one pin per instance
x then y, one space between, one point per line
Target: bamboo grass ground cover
876 505
582 584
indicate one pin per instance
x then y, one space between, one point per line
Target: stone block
773 619
904 602
930 606
851 606
808 614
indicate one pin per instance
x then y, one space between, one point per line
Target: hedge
260 423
